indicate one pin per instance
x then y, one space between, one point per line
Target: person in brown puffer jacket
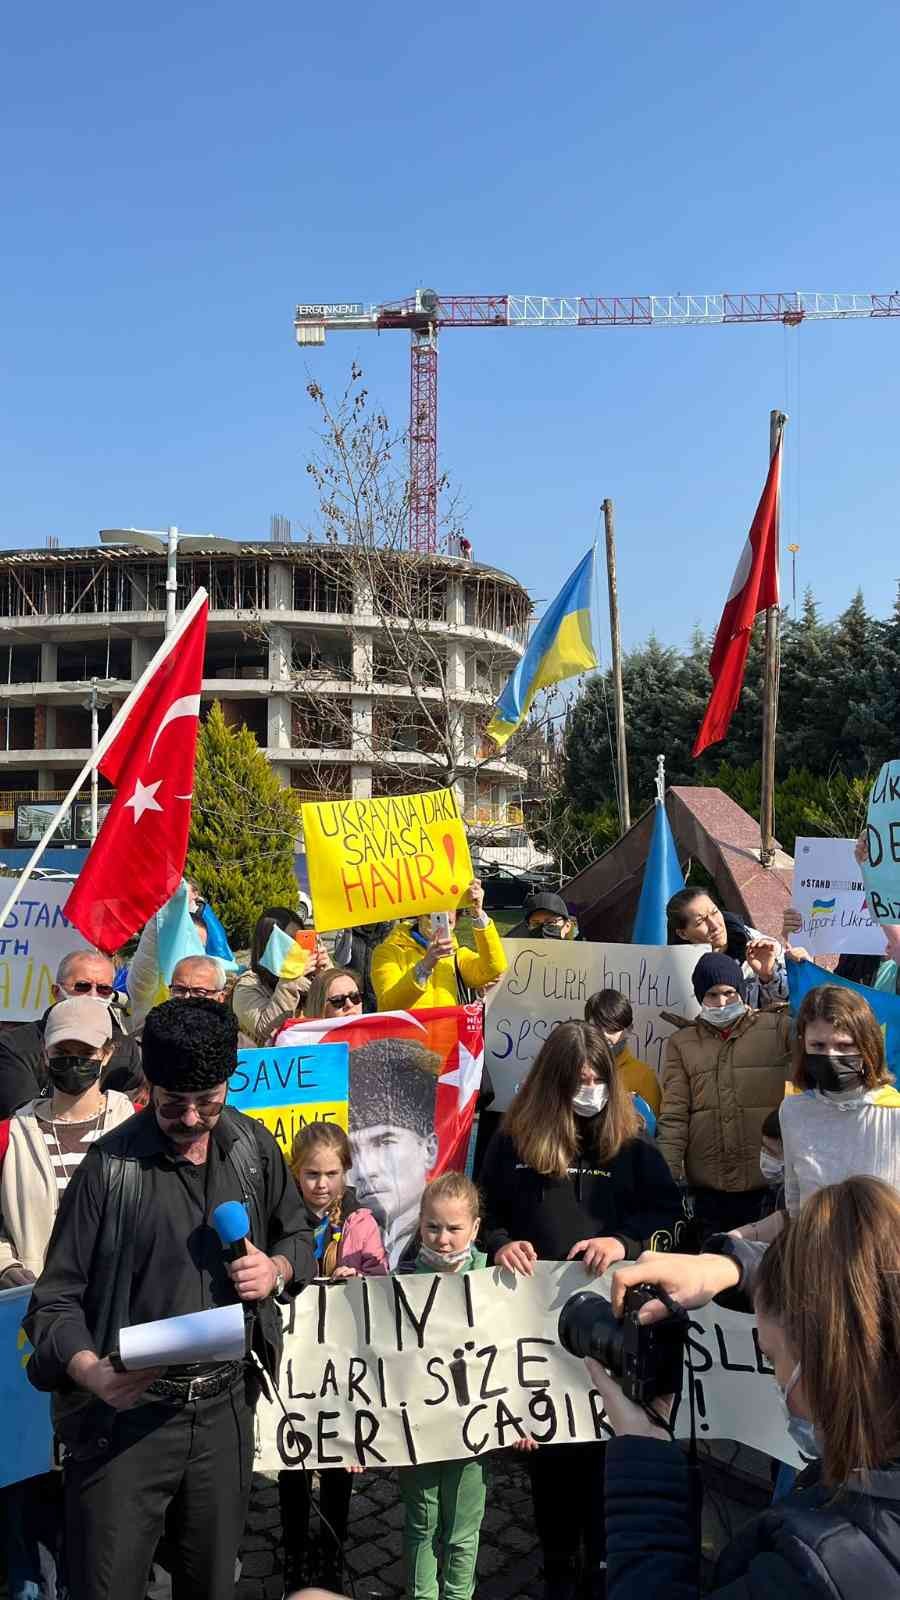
722 1075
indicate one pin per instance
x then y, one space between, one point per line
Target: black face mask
74 1074
551 930
832 1074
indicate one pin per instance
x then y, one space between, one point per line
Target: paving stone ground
509 1557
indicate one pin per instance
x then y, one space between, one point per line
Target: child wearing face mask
722 1076
347 1244
444 1500
843 1119
611 1012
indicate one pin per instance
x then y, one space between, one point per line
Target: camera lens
587 1327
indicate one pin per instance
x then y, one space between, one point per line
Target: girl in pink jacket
348 1244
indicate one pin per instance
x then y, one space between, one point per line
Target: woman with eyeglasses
337 993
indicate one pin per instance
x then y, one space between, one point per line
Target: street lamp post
167 544
94 705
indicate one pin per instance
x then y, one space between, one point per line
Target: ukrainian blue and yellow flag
560 648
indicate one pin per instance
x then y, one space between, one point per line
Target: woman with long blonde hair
569 1176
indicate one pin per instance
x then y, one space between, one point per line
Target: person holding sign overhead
420 966
569 1177
279 977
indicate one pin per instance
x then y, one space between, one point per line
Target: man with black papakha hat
133 1243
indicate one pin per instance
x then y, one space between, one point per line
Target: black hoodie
632 1197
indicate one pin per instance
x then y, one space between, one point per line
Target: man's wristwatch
279 1284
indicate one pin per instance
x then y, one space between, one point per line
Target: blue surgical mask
801 1430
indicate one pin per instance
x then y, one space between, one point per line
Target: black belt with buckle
201 1387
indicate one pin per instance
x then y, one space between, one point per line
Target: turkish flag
753 589
137 860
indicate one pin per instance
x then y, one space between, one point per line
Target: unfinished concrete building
308 649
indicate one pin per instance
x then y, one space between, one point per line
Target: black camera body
645 1358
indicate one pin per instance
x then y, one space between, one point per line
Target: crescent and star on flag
144 796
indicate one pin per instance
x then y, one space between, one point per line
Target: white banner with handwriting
383 1372
549 980
33 940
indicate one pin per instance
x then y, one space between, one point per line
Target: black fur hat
189 1045
393 1082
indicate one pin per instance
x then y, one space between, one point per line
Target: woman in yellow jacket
415 968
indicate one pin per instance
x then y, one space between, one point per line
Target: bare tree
400 621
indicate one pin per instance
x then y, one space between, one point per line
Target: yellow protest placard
395 856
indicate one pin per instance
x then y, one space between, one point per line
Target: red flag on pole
137 860
753 589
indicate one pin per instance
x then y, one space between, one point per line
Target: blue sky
174 181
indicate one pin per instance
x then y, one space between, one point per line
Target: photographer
567 1177
827 1300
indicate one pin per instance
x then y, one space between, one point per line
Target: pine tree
244 829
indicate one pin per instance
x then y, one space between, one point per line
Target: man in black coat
23 1068
133 1244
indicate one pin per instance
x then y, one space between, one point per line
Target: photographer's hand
623 1416
598 1254
689 1280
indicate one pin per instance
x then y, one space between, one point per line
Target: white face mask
771 1168
590 1099
443 1261
722 1016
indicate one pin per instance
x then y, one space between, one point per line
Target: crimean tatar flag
560 648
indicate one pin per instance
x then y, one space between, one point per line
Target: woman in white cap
48 1139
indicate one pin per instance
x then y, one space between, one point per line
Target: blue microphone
232 1224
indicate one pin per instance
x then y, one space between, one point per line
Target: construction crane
425 312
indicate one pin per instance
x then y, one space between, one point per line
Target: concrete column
280 655
456 667
141 652
361 781
281 586
278 722
49 670
456 603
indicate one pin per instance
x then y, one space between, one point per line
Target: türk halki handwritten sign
438 1367
396 856
548 982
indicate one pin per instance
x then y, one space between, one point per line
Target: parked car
507 888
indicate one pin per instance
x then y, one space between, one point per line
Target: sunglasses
186 991
104 991
339 1001
173 1109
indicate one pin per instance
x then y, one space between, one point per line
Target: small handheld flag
560 648
288 957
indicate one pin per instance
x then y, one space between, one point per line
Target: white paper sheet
216 1335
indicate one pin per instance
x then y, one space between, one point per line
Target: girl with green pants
444 1500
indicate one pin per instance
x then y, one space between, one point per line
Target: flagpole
165 649
616 642
777 420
